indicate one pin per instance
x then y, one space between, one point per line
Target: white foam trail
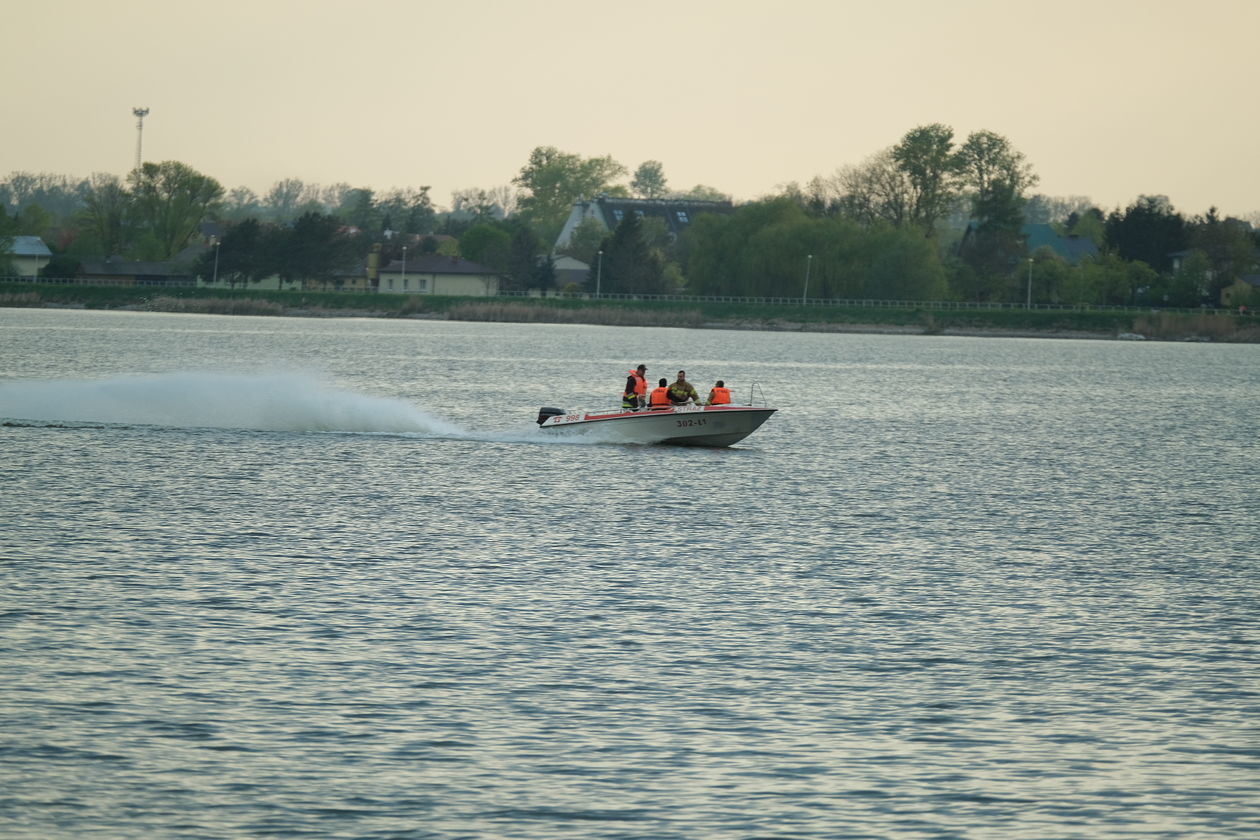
263 402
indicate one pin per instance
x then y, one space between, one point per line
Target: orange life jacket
721 396
660 398
640 383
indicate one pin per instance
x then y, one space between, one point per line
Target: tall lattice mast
140 113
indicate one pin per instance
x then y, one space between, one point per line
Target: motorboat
680 425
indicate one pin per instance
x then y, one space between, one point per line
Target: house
1071 249
570 272
1245 291
677 213
354 278
436 274
29 254
115 271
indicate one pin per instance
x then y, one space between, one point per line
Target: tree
8 229
1149 230
925 155
526 265
409 210
358 208
487 243
876 190
702 192
241 255
1088 224
585 240
629 265
241 203
170 200
105 216
553 180
283 199
994 177
1228 246
314 248
649 180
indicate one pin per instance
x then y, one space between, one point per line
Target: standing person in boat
660 396
634 395
719 394
683 391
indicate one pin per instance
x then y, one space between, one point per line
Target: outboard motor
545 413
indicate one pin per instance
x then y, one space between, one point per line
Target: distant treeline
925 219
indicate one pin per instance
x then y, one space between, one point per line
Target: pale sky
1109 99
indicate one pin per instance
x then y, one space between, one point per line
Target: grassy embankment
1157 325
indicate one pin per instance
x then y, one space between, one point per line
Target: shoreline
750 326
1104 325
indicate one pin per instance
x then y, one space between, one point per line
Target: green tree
487 243
284 198
410 210
1088 224
553 180
359 208
526 265
241 203
313 248
8 229
105 218
1228 246
703 192
170 200
994 177
649 180
630 265
239 257
1149 230
899 265
585 240
926 156
877 190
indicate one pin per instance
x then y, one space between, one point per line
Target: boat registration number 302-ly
693 421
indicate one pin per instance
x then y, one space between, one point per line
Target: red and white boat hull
684 425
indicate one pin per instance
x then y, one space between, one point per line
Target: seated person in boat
682 391
719 394
660 396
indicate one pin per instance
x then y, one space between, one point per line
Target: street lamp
599 272
809 261
1028 304
404 267
215 281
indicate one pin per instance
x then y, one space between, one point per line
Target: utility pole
140 113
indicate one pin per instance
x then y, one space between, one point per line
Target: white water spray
263 402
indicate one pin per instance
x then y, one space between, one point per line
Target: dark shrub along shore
819 317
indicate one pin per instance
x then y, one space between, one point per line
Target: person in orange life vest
719 394
682 390
634 395
660 396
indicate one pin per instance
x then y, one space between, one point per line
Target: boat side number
692 421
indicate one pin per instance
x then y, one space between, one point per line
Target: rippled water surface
322 578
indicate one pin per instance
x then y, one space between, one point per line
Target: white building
29 254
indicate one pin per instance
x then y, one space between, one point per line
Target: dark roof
115 266
678 213
1071 248
438 264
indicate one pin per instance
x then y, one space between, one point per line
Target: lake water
322 578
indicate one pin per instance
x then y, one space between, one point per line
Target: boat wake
257 402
